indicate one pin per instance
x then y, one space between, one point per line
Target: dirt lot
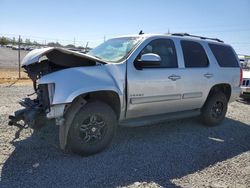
179 153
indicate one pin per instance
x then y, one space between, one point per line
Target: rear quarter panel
225 75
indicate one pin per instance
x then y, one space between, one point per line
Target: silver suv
132 81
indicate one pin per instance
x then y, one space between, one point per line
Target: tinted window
165 49
224 55
194 54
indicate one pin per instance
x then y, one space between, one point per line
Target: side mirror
148 60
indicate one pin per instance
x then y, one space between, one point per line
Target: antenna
141 32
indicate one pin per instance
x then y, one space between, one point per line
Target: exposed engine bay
55 59
38 63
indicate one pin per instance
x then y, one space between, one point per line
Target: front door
155 90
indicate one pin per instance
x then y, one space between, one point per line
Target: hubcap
92 129
217 109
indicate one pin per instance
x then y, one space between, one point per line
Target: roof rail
188 35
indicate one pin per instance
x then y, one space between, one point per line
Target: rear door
196 73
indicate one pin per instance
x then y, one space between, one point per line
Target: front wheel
215 109
92 128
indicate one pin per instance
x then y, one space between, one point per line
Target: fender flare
68 117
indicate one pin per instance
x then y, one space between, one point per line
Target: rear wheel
92 128
215 108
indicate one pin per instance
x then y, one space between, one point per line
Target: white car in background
245 86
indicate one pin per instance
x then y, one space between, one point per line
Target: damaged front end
39 109
34 113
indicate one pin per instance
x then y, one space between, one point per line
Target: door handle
208 75
174 77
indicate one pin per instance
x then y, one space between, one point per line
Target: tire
215 109
92 128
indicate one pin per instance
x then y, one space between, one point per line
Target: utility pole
86 46
104 38
19 58
168 31
74 41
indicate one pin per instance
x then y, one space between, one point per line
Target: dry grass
10 76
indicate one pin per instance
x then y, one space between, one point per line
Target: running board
149 120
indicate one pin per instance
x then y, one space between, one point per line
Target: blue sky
91 20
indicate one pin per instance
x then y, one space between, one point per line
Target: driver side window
165 49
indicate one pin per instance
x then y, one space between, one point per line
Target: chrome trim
140 100
192 95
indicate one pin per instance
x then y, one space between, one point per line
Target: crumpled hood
58 56
246 73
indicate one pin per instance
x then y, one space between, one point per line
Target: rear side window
194 54
224 55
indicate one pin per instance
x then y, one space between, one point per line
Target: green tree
28 42
4 41
54 44
70 46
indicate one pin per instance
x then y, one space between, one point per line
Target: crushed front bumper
35 116
32 115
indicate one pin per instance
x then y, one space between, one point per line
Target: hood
59 56
246 73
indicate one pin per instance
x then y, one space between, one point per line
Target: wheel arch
209 108
109 97
222 87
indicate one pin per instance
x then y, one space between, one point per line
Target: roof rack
188 35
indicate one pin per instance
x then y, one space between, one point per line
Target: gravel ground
179 153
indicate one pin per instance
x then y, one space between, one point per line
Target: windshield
115 50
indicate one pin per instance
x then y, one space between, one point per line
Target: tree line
15 41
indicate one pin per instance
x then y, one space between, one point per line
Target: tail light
241 76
